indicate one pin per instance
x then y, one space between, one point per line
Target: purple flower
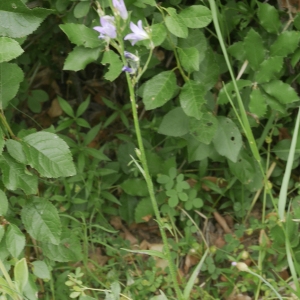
121 8
131 56
108 28
138 33
128 70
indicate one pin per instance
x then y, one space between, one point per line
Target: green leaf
10 49
16 176
197 151
49 155
209 70
115 69
3 204
254 49
41 270
159 90
176 24
158 33
286 43
83 107
41 221
81 9
21 274
80 57
281 91
2 232
10 77
15 240
81 35
174 123
192 98
243 169
197 40
258 104
96 153
91 134
143 209
204 129
189 58
17 20
69 248
228 140
268 17
82 123
155 253
237 50
135 187
229 89
268 69
66 107
35 100
196 16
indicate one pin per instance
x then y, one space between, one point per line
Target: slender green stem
5 124
151 188
8 279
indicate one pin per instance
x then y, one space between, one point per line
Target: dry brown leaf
222 222
55 109
190 261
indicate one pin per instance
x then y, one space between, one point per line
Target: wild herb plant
213 127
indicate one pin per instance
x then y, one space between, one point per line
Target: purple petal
121 8
138 33
108 28
127 69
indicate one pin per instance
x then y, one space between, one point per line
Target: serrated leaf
158 33
228 140
229 89
80 57
21 274
15 175
135 187
69 248
17 20
175 23
49 155
15 150
10 77
96 153
192 98
189 58
196 16
254 49
115 69
196 39
268 69
209 70
237 50
258 104
3 204
286 43
41 221
15 240
197 151
268 17
174 123
143 209
10 49
243 169
159 90
41 270
204 129
281 91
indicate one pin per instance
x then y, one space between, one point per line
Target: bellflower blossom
121 8
108 28
133 62
138 33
